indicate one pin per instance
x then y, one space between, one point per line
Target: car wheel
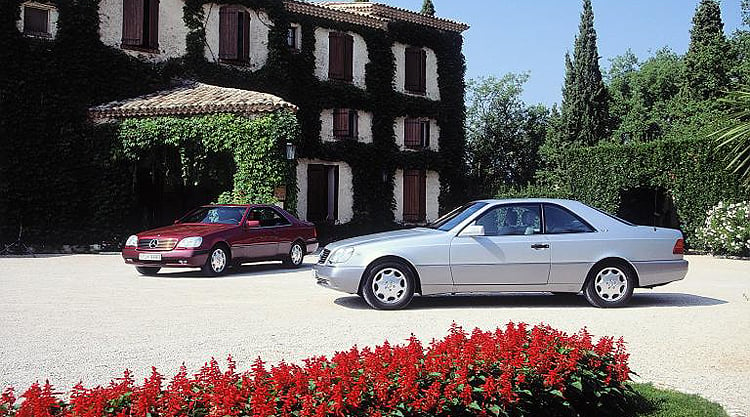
147 270
217 262
296 255
389 286
609 285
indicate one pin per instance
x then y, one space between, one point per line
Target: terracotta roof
192 98
385 11
332 13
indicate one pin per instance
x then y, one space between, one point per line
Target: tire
388 286
295 256
609 284
150 271
217 262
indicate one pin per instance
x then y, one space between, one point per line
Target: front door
258 242
322 192
512 250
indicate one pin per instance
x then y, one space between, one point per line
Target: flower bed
515 371
727 229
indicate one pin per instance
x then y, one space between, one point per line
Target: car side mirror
473 230
176 221
252 223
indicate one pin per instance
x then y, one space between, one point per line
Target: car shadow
536 300
245 270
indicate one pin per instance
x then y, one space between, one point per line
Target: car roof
561 201
236 205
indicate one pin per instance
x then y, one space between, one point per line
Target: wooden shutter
412 131
244 32
425 130
228 33
153 24
317 192
341 123
415 70
353 124
415 195
35 21
335 56
348 57
132 22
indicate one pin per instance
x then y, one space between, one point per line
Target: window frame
424 133
420 88
565 209
511 205
241 45
272 209
352 123
48 33
295 31
421 216
345 42
149 26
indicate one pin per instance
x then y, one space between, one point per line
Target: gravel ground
89 317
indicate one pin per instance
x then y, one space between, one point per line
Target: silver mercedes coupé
559 246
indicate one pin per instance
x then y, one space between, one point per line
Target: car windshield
215 215
458 215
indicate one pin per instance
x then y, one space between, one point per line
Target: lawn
667 403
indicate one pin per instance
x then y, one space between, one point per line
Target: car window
456 216
560 220
516 219
267 217
215 215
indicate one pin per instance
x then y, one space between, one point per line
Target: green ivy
255 145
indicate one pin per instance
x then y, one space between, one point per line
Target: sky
533 35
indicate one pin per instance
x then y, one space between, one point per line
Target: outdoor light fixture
291 151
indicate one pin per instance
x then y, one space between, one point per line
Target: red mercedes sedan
215 236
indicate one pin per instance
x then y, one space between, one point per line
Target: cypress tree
428 8
585 107
708 58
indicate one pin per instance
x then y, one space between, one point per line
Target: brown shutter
425 133
317 192
341 126
335 56
422 71
245 36
415 197
132 22
153 24
228 33
35 21
415 70
353 124
348 57
412 131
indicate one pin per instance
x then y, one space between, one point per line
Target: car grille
324 256
159 244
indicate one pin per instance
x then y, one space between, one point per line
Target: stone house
424 93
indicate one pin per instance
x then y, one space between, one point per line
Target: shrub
516 371
727 229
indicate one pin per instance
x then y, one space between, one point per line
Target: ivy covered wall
57 174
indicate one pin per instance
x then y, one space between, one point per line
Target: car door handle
538 246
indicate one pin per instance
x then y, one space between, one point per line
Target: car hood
185 230
386 238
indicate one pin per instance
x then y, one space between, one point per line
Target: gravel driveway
88 317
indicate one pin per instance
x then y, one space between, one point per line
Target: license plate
149 256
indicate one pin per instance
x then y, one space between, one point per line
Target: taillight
315 232
679 247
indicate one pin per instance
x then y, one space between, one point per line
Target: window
559 220
140 24
514 219
415 195
340 54
345 124
416 71
416 133
267 216
292 38
234 34
36 21
458 215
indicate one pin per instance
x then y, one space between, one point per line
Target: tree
736 135
585 111
708 60
503 133
428 8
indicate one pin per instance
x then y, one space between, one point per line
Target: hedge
691 171
515 371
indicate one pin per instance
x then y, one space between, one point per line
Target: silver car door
511 249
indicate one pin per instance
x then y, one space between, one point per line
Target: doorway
648 207
322 193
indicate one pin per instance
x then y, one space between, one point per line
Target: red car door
258 241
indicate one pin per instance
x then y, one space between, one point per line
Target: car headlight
190 242
341 255
132 241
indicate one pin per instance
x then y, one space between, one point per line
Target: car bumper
311 246
654 273
345 279
176 258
